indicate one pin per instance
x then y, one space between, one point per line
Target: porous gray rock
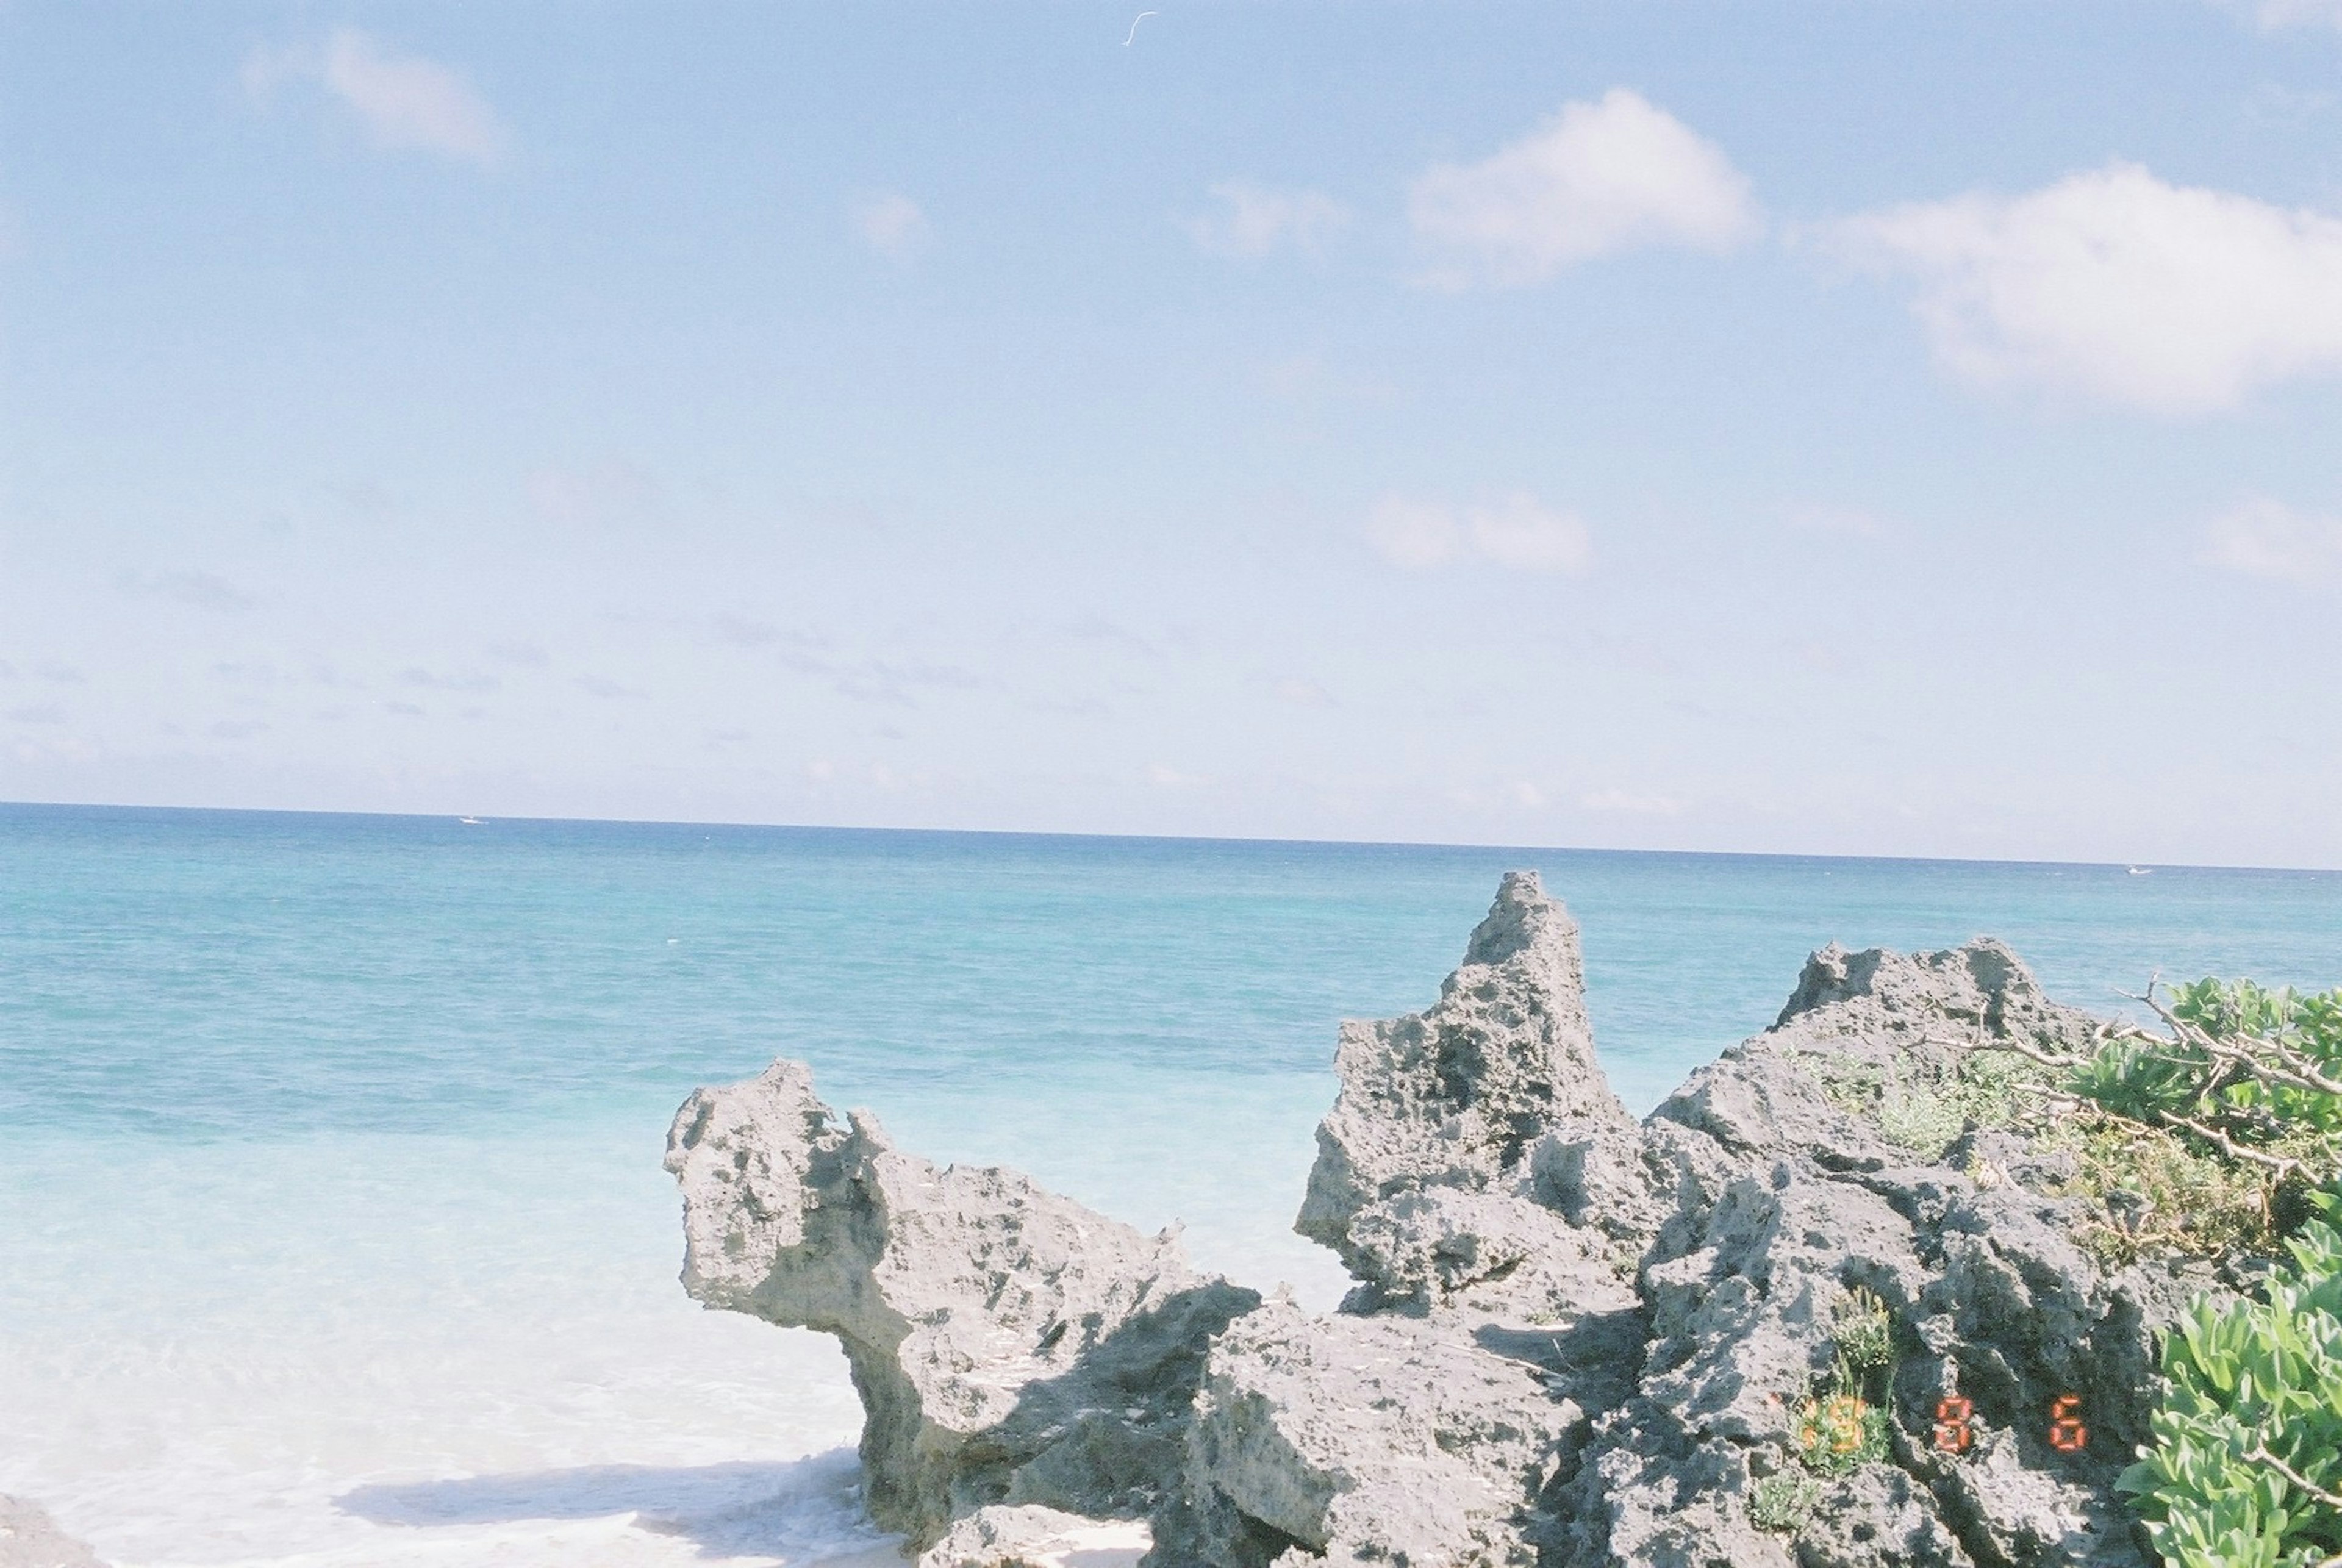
1576 1342
29 1538
1032 1536
1474 1155
1009 1345
1372 1438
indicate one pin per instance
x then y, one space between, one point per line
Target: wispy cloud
1250 220
1515 530
1595 179
203 589
892 224
1303 694
603 686
462 680
2113 284
747 631
405 102
609 493
2265 538
2273 14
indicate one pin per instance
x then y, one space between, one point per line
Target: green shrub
1925 1107
2246 1468
2253 1075
2157 1193
1784 1501
1919 1118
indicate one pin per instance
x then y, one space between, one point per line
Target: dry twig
2331 1499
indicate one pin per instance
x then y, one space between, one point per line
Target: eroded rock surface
1009 1345
29 1538
1032 1536
1577 1340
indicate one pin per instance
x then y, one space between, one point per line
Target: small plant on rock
1838 1434
1844 1426
1864 1331
1783 1502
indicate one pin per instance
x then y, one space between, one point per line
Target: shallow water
329 1186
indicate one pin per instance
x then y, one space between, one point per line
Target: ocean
332 1224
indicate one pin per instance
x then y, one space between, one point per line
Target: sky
1880 429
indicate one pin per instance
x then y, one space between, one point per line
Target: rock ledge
1574 1340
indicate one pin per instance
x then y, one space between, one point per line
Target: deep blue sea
330 1202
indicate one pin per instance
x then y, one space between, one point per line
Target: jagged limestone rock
29 1538
1576 1342
1453 1096
1448 1163
1372 1438
1034 1537
1993 1301
1009 1345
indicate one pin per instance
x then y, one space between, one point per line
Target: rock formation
29 1538
1032 1536
1009 1345
1576 1340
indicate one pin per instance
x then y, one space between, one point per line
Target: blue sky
1886 428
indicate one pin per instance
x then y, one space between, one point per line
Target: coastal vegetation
2246 1468
2216 1135
1844 1426
2222 1135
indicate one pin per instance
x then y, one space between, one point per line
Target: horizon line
12 806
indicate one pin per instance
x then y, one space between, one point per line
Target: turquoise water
322 1138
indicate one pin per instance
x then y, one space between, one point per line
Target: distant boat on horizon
469 821
2135 871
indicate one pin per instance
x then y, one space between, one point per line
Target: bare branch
2331 1499
2062 1064
2279 1163
2294 1069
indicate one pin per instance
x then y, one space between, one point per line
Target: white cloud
1254 220
1593 179
2275 13
1515 530
2265 538
2112 283
1518 533
408 102
405 102
892 224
